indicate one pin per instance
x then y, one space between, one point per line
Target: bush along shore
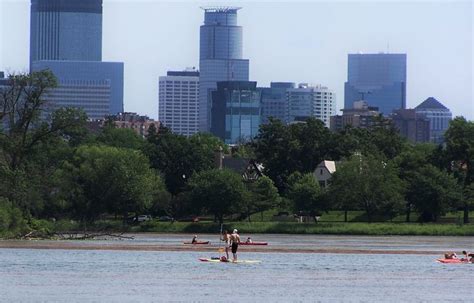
374 229
66 230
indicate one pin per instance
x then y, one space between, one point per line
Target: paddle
221 250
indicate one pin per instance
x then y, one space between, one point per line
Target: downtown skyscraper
66 30
380 79
66 38
220 56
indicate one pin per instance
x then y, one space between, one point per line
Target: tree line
58 168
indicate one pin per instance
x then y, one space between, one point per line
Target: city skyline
312 47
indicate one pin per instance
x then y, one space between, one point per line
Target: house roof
329 165
248 168
431 103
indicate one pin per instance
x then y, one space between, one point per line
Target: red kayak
452 261
253 243
197 242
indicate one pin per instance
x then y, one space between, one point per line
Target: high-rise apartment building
236 111
66 38
439 116
220 56
311 101
379 79
275 102
178 107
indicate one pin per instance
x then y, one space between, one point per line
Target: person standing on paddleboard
226 239
235 240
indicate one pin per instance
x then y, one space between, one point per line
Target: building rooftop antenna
220 9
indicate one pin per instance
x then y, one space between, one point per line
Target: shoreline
178 248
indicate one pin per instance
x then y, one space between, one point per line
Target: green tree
305 194
178 157
368 183
103 179
29 145
285 149
263 196
408 162
460 150
433 192
120 137
218 192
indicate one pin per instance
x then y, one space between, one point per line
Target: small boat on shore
219 260
456 261
253 243
197 242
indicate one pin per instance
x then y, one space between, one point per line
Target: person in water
194 240
249 240
234 240
226 239
468 256
450 255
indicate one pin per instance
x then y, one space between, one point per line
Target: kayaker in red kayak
468 256
234 240
450 255
249 240
194 240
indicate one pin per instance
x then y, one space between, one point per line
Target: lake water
57 275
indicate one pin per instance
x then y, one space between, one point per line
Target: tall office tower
66 38
439 116
236 111
311 101
379 79
274 101
178 101
220 56
66 30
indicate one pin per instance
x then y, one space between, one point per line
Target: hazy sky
305 41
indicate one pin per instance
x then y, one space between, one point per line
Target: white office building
311 101
178 101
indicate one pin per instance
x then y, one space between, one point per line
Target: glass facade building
439 116
88 73
220 56
275 102
236 111
311 101
66 38
379 79
179 101
93 96
66 30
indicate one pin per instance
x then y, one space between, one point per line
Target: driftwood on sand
41 235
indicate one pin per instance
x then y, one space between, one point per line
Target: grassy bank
45 228
375 229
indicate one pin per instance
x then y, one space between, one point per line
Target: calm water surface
35 275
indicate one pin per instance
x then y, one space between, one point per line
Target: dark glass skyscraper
236 111
66 30
220 57
379 79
